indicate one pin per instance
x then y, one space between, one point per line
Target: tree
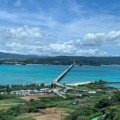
51 86
42 85
80 118
103 103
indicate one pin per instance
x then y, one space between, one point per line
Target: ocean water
26 74
116 85
92 73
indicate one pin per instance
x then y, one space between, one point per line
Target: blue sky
60 27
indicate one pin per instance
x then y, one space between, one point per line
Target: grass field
7 103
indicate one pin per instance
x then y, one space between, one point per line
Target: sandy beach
81 83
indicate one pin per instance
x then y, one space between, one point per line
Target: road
56 90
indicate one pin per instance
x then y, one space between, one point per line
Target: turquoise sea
26 74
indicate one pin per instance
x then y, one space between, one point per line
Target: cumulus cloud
22 34
94 39
23 40
32 40
73 50
113 36
100 39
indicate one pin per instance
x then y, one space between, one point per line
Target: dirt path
51 114
36 96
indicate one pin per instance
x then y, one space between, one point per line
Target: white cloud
22 35
113 36
94 39
100 39
91 24
32 40
73 50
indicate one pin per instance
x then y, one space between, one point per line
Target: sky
60 27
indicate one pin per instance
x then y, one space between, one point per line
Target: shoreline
81 83
73 84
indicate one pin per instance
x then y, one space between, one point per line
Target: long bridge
55 81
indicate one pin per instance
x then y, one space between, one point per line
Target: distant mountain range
61 60
11 55
73 58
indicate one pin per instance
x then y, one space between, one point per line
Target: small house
99 90
34 91
78 101
68 89
92 92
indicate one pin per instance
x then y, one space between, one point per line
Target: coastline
81 83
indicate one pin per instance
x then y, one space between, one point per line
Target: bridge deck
55 81
61 75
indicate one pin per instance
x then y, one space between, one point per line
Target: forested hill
58 60
82 60
99 60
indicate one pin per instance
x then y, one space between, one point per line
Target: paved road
56 90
